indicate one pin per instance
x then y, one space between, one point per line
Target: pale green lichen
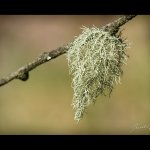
95 59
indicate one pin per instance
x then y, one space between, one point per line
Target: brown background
42 105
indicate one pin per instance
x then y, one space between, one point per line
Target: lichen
95 59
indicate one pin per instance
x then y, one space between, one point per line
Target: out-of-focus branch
23 72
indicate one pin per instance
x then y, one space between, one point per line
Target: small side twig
23 72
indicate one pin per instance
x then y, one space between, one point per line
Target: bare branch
23 72
115 25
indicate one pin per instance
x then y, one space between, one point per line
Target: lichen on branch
95 60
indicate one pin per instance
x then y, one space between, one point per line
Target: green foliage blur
42 105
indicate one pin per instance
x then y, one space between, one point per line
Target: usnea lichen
95 60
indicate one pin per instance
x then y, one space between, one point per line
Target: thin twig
113 27
23 72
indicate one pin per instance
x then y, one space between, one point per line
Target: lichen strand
95 59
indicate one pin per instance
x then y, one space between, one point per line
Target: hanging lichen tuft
95 61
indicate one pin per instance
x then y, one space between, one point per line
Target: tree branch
113 27
23 72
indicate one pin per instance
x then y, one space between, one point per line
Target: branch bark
23 72
114 26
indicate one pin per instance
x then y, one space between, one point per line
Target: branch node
23 76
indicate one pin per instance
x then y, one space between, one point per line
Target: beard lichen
95 60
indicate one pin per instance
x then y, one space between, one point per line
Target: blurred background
42 105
